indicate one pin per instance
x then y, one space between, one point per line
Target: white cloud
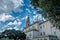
16 28
6 6
40 9
24 18
44 19
37 17
28 10
8 26
18 10
15 23
4 17
31 6
17 3
34 12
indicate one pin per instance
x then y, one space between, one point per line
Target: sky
14 13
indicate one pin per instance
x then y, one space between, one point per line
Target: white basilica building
41 30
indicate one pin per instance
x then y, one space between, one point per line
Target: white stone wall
57 32
32 35
48 28
34 26
44 28
35 34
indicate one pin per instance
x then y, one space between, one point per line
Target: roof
35 23
32 30
32 24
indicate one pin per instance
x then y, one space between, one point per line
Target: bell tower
28 21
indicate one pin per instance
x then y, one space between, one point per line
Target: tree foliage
51 8
13 34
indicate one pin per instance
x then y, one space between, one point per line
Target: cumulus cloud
6 6
37 17
13 28
24 18
17 3
15 25
16 28
31 6
34 12
18 10
9 28
4 17
28 10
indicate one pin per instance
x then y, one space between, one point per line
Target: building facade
41 30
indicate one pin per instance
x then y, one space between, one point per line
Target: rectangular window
43 33
40 27
30 35
43 26
55 32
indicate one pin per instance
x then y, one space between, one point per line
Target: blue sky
13 14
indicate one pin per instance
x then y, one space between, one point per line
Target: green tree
51 9
14 34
